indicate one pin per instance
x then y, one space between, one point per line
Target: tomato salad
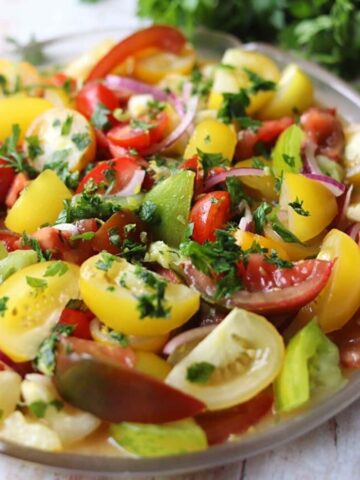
179 255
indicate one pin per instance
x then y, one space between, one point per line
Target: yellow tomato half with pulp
246 239
114 290
264 186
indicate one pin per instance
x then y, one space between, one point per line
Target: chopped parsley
38 408
58 268
200 372
43 255
210 160
37 283
140 125
152 304
45 358
66 126
236 191
279 181
114 237
81 140
260 216
258 83
284 233
297 206
3 305
100 117
33 146
119 338
105 262
250 123
133 251
276 260
10 153
289 160
83 236
257 162
200 85
149 212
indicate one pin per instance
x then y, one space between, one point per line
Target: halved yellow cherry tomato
340 299
58 97
238 359
36 297
18 75
120 285
352 153
212 136
295 251
39 203
264 185
246 239
295 92
20 110
318 205
153 68
232 79
149 343
63 134
151 364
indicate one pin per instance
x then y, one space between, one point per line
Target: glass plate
329 91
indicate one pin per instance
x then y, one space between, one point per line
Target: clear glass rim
250 444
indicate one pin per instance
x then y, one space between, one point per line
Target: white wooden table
329 453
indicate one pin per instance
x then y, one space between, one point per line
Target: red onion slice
335 187
185 123
341 220
309 159
354 232
134 186
115 82
233 172
67 227
186 337
246 221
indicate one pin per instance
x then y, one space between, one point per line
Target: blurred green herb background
327 32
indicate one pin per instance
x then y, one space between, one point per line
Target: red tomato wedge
93 95
159 36
91 378
302 284
119 171
220 425
77 319
209 213
7 176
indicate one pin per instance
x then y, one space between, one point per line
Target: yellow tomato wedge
19 75
246 239
232 79
238 359
212 136
108 280
318 205
264 186
295 92
36 296
39 203
352 153
63 134
20 110
154 67
340 299
153 365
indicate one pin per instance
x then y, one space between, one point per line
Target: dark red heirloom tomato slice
92 95
302 284
158 36
220 425
92 379
115 230
119 171
348 341
77 319
267 133
7 176
323 128
208 214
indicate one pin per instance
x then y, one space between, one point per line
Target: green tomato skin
311 365
16 261
149 440
288 148
173 198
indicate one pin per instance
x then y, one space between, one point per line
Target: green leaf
200 372
284 233
100 117
260 216
58 268
81 140
3 305
37 283
38 408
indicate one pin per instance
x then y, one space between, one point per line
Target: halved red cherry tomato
323 128
7 176
93 377
208 214
348 341
159 125
302 283
78 319
119 171
158 36
111 235
125 136
93 94
220 425
267 133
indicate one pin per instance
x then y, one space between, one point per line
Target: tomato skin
7 176
220 425
208 214
159 36
323 128
160 124
117 223
126 137
60 79
93 94
10 240
348 341
267 133
79 320
122 167
19 183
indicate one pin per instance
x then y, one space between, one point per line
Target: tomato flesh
7 176
93 95
209 213
77 319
